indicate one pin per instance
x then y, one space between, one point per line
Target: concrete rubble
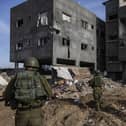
3 82
74 105
79 85
4 79
72 88
5 76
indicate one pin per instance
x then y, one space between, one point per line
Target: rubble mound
63 113
6 115
74 105
66 113
69 113
102 119
4 79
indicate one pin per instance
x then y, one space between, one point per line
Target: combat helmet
31 62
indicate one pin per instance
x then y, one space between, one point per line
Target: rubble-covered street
63 61
74 106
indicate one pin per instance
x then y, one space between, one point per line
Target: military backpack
98 81
28 87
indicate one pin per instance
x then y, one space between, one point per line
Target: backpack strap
45 85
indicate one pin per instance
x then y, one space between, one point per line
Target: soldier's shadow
109 109
115 112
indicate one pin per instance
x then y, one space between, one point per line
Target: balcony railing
122 50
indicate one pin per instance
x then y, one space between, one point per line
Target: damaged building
54 31
100 33
116 39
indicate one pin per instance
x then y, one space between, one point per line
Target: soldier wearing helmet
26 93
31 62
97 84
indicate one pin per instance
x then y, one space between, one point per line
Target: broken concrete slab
3 82
63 73
5 76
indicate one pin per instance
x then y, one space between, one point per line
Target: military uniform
26 93
97 84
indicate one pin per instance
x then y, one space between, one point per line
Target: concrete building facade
100 33
54 31
116 39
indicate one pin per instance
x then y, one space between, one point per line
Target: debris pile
3 82
110 85
71 82
4 79
73 105
103 119
5 76
67 113
6 115
63 113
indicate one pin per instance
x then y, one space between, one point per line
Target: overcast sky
5 5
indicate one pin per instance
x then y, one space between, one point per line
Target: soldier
26 93
97 84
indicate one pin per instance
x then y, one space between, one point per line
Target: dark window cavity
92 26
112 17
19 46
113 37
122 43
19 23
84 24
92 48
66 42
84 46
29 17
42 19
113 58
27 43
42 42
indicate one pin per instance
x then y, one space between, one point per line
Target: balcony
122 53
114 67
122 12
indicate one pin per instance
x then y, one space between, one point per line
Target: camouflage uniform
97 84
29 113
